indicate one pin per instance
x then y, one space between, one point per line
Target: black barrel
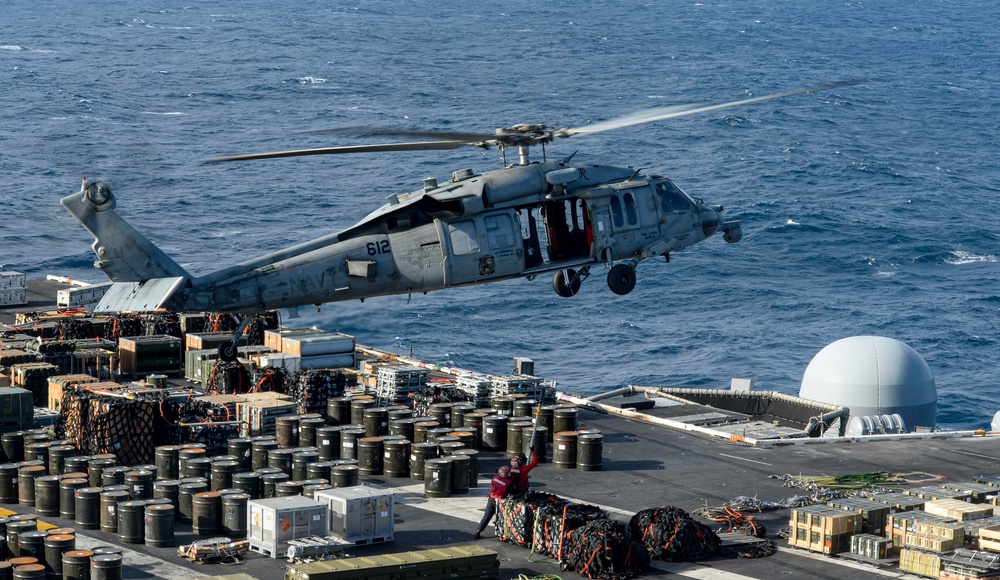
300 463
167 461
206 513
114 475
309 490
55 546
76 565
131 524
358 406
319 470
328 442
495 432
397 412
402 427
515 429
28 571
458 411
160 525
87 503
15 529
420 429
503 406
32 543
270 481
37 451
349 441
79 462
370 451
376 421
589 451
286 430
288 488
26 475
525 408
344 475
57 457
240 447
396 458
545 418
564 449
307 430
564 419
419 454
473 455
67 496
439 434
338 411
234 514
185 499
8 483
222 474
474 422
168 489
437 477
460 465
140 483
47 495
249 482
196 467
541 442
442 413
468 438
109 509
13 446
280 459
106 567
191 451
95 470
260 450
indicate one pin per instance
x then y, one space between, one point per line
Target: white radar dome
873 375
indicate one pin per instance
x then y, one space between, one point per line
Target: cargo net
269 380
75 329
229 378
669 533
554 523
732 520
224 321
310 389
604 549
516 516
132 428
437 391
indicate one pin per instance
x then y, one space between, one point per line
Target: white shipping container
12 280
359 514
289 362
317 344
81 295
327 361
272 522
13 296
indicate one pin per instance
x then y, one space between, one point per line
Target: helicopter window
630 212
464 237
499 231
672 199
616 211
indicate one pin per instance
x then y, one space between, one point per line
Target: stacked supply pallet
957 509
149 354
13 289
871 546
59 383
35 378
823 529
77 296
531 387
320 350
901 525
394 383
977 492
921 563
899 502
272 338
477 388
458 563
873 514
930 492
257 413
966 564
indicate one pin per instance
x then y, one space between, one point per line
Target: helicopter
475 228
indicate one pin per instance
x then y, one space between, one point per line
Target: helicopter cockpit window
672 200
616 212
464 237
630 212
499 231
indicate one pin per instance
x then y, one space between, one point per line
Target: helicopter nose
710 219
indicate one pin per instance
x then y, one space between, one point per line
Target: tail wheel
621 279
228 351
566 283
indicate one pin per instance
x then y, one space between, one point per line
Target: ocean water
869 209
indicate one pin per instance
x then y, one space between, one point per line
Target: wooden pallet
213 550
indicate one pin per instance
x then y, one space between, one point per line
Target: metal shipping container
359 514
272 522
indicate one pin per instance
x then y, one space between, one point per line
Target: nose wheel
566 283
621 279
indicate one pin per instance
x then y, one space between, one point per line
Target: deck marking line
745 459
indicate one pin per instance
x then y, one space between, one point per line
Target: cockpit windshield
672 199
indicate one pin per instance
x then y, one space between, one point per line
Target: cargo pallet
213 550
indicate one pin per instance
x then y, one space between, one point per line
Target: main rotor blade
662 113
368 131
419 146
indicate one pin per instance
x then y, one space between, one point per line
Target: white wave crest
312 80
959 257
10 47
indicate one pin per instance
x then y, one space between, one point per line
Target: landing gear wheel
566 283
621 279
228 351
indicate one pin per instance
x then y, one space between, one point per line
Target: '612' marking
380 247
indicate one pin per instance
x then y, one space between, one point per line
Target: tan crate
830 521
58 384
814 540
958 510
272 338
921 563
934 543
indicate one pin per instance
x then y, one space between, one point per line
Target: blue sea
870 209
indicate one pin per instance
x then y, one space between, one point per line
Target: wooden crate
272 338
976 492
58 384
934 542
935 492
871 546
815 540
873 514
958 510
258 417
921 563
829 520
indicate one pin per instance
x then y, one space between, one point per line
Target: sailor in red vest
500 487
519 472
